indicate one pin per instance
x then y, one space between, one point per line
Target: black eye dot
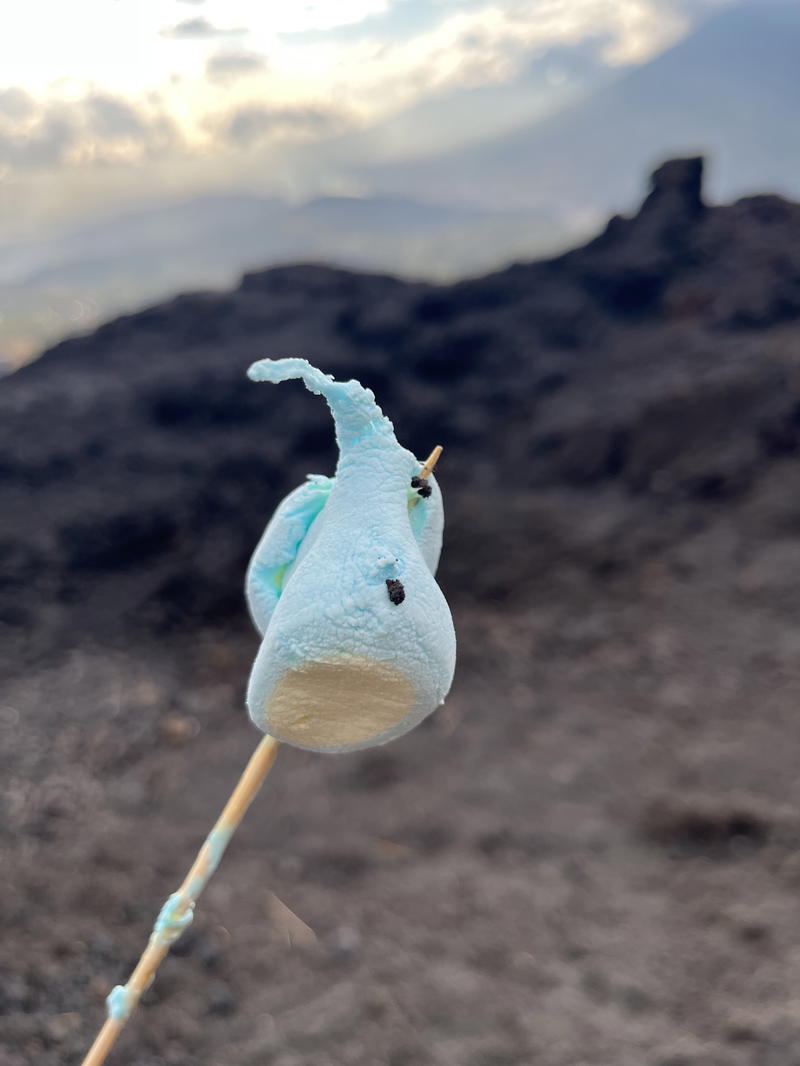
416 482
422 486
425 491
396 591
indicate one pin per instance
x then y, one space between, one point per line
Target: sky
105 103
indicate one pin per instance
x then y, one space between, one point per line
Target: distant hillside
49 288
594 408
730 90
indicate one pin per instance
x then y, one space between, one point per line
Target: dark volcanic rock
657 365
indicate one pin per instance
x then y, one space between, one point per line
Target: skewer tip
430 462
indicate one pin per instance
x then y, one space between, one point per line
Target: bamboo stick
177 912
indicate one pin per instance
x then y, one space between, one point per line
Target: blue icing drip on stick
217 842
213 849
173 919
118 1003
177 912
358 643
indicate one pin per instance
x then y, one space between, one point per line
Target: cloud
229 66
250 125
16 103
199 29
45 145
99 128
400 20
484 43
113 119
323 15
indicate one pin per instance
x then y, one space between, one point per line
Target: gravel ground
589 855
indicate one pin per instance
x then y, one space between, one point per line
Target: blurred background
153 146
558 237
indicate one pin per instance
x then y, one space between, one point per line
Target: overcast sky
103 102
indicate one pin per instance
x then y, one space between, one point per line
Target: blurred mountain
597 409
48 288
731 90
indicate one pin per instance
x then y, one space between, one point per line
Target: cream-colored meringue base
335 705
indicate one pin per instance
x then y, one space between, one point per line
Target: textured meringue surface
358 644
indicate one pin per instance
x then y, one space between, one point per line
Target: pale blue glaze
277 550
216 843
316 586
118 1004
173 918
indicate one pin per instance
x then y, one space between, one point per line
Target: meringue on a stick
357 642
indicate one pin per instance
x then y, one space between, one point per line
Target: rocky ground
590 854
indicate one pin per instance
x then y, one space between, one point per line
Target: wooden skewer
177 911
430 462
425 473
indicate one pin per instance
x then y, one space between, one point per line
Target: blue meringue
358 644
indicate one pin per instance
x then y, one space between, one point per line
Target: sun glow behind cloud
120 44
131 47
113 98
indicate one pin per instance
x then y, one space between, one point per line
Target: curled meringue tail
353 407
